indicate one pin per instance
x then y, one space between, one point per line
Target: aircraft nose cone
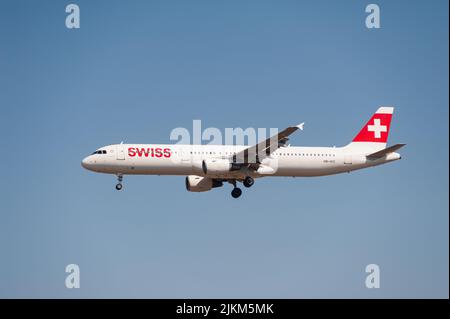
86 163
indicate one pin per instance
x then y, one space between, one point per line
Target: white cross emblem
377 128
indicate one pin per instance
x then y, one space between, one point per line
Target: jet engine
196 183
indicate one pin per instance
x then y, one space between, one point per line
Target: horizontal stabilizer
385 151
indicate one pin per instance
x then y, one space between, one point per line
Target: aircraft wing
255 153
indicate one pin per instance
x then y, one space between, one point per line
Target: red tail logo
377 128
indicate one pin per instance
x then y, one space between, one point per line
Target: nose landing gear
119 184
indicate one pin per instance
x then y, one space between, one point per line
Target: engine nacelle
196 183
216 166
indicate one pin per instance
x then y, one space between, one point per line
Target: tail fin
374 134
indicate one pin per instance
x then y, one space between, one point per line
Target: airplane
210 166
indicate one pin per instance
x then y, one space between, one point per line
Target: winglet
300 126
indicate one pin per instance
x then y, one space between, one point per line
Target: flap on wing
385 151
254 153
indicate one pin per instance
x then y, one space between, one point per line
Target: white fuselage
209 166
165 159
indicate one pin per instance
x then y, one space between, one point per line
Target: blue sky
137 69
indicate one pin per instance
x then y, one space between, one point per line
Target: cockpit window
99 152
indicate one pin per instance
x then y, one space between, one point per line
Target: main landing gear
248 181
119 184
237 192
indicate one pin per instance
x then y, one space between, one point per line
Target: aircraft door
120 151
348 159
186 154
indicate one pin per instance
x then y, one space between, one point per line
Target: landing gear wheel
248 181
119 182
236 192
